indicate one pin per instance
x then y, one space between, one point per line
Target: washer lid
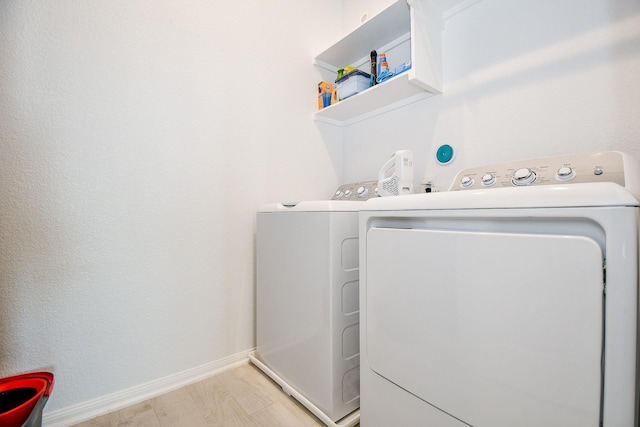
312 206
549 196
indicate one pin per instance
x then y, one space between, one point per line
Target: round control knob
565 173
339 194
466 181
488 179
348 193
362 192
523 176
598 171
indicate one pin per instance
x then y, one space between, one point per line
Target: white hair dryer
396 176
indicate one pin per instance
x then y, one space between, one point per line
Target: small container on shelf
406 66
354 82
325 94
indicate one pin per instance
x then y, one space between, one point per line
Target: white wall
356 12
521 79
137 140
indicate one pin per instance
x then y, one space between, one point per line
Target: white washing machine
511 300
307 304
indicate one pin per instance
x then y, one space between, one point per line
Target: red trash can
22 398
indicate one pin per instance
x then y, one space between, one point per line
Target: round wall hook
444 154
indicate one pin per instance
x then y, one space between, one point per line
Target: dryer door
495 329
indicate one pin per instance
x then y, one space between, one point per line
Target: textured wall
521 79
137 140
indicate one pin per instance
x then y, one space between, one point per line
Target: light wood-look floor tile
242 397
178 409
218 405
140 415
253 392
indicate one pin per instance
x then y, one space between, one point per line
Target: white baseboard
112 402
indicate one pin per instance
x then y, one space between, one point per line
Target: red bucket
22 398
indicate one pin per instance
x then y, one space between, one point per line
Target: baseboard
112 402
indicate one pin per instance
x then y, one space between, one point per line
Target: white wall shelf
414 22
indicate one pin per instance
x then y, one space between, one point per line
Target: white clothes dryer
307 301
511 300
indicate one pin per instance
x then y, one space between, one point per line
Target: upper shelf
416 22
388 25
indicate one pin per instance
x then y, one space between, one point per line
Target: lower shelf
387 96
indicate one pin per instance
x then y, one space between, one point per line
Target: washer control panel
576 168
357 191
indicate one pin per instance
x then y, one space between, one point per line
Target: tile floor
243 396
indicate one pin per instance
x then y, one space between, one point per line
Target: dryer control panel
357 191
577 168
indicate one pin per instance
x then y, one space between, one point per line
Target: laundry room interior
139 140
